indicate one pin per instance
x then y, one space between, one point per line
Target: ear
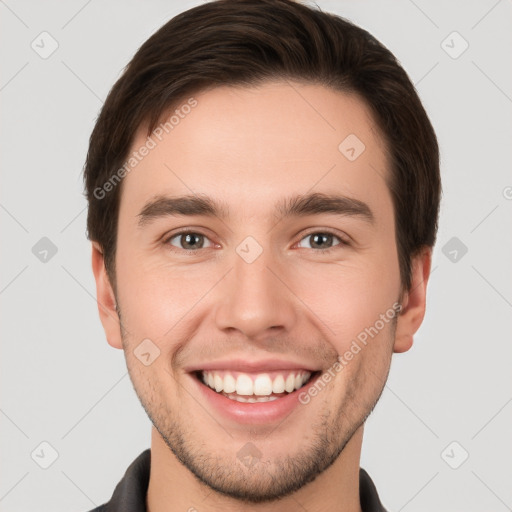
106 299
414 301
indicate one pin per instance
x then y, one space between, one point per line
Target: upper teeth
261 384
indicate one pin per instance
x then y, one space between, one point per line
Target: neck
173 487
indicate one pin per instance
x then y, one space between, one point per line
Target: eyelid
345 240
185 231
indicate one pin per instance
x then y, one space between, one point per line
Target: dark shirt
130 493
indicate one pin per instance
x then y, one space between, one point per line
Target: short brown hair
247 42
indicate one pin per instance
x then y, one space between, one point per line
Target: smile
253 397
251 387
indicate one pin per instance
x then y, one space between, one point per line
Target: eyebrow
297 206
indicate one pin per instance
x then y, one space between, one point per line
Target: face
276 283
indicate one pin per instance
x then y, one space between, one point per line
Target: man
263 187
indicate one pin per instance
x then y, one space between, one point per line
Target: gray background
64 385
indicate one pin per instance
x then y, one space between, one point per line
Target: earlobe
105 299
414 302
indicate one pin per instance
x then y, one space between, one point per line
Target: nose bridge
253 299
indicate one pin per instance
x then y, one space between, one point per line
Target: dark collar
130 493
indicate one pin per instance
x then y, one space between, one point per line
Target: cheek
347 298
156 297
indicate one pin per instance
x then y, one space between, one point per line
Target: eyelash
343 241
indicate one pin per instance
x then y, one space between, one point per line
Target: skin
250 147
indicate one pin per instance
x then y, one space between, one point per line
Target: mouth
255 387
253 398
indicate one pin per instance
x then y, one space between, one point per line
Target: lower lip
259 413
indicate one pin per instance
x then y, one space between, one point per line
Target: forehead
252 145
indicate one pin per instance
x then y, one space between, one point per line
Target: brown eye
189 241
322 240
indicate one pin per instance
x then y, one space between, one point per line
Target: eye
188 241
322 241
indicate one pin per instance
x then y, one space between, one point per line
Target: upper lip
243 365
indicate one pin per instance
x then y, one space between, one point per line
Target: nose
255 300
